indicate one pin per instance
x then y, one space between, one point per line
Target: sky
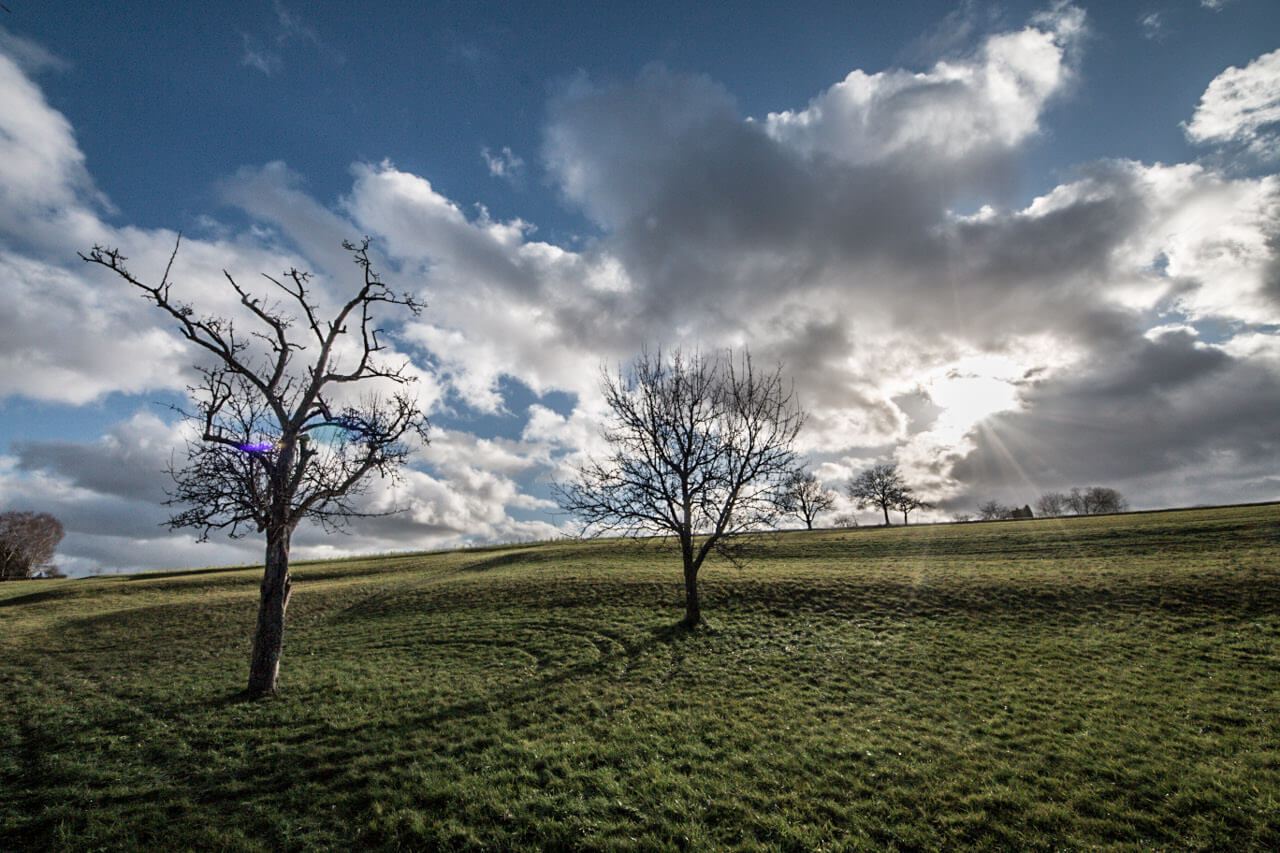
1014 248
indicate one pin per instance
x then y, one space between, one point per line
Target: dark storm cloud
712 215
107 468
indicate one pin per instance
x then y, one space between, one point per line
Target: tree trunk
692 610
268 639
885 507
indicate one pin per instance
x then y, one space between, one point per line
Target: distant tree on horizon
277 443
1051 505
700 448
880 486
993 511
806 497
1096 500
906 502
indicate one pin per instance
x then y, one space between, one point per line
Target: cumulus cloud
109 496
958 110
45 189
1241 106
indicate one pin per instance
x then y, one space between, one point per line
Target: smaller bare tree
28 541
906 502
700 448
1096 500
805 497
993 511
1051 505
880 486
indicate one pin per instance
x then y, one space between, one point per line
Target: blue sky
1012 247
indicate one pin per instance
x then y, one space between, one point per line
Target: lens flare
261 447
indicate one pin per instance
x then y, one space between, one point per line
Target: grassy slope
1110 682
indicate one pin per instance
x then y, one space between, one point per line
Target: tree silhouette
1052 504
993 511
906 502
806 497
1096 500
880 485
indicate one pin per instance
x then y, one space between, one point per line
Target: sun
971 391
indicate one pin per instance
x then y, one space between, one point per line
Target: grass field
1098 683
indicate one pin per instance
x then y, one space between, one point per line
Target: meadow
1108 683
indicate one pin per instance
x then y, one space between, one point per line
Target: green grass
1106 683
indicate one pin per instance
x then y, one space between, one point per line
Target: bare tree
906 502
845 519
28 541
806 497
1051 505
880 485
276 446
993 511
1096 500
700 449
1104 499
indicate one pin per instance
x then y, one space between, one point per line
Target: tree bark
692 610
268 639
885 507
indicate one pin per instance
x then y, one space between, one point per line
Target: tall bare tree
806 497
880 485
700 448
276 444
28 541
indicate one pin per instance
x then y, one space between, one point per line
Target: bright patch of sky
1014 247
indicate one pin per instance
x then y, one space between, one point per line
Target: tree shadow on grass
33 597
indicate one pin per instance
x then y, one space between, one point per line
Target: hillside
1106 682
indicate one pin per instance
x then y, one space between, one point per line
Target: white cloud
43 180
1242 106
1152 26
64 339
504 164
958 110
31 57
